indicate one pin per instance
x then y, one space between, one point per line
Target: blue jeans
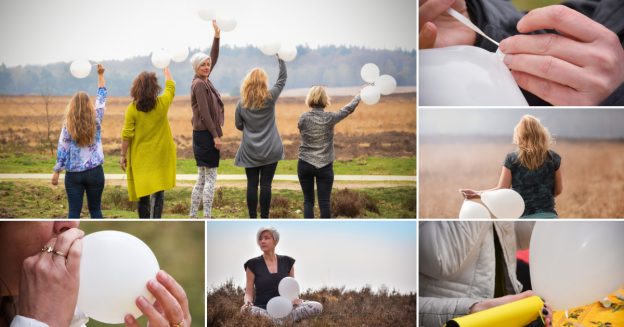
77 183
324 182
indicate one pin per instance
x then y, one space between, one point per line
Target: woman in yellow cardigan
151 162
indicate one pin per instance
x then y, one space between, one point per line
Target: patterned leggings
204 189
305 310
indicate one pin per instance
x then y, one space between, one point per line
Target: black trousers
324 181
264 175
151 206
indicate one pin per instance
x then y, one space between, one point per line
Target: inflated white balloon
370 95
369 72
466 76
287 52
386 84
160 59
114 271
207 14
289 288
473 210
226 24
576 263
179 54
80 68
270 48
279 307
504 203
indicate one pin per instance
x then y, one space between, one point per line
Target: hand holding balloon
217 30
101 80
167 74
470 194
52 275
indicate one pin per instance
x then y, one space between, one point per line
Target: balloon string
462 19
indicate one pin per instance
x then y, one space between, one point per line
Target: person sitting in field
151 162
316 152
533 170
263 276
80 151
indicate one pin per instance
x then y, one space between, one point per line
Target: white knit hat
197 59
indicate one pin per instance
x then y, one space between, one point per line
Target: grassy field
340 308
38 199
179 248
592 176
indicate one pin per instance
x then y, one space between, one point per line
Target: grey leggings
305 310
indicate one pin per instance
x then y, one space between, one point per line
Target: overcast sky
327 253
44 31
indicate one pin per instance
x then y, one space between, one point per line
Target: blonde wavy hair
317 97
80 119
533 140
255 89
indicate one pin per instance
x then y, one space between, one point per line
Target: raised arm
100 100
214 51
238 118
170 86
346 110
101 79
281 80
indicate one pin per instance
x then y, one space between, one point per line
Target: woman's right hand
438 29
470 194
247 305
491 303
122 162
50 280
217 143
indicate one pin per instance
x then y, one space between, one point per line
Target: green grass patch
28 199
37 163
527 5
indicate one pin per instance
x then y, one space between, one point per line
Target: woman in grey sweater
316 152
261 147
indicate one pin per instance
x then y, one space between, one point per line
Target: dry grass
22 118
593 176
340 308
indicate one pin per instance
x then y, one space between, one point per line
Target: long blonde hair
533 141
80 119
255 89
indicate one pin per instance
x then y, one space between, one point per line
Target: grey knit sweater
317 133
261 144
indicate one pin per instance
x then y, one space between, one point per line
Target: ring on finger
47 249
59 253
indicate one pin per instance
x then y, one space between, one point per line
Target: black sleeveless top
265 282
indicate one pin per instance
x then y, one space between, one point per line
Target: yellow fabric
515 314
594 315
151 165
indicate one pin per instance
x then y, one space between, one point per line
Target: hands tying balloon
582 65
490 303
438 29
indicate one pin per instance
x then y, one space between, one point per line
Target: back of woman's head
255 89
317 97
145 90
533 141
80 119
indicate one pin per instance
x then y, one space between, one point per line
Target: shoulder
511 158
555 157
251 263
197 84
286 259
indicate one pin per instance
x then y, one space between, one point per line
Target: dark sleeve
289 262
201 95
585 7
251 264
556 160
346 110
238 119
214 54
497 18
510 159
616 98
281 81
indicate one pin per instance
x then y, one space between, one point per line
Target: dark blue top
265 282
537 187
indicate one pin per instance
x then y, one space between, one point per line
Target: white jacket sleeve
435 312
21 321
445 247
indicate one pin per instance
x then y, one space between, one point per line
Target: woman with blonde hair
150 165
80 152
533 170
261 147
316 152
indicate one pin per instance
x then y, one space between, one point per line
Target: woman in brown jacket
207 120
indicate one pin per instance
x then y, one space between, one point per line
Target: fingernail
507 59
152 283
128 319
162 274
142 302
502 46
545 311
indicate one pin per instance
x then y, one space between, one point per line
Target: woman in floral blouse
80 151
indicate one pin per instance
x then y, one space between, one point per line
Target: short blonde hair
255 89
317 98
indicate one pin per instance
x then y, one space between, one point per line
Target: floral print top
70 156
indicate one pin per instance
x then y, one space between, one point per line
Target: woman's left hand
171 308
297 302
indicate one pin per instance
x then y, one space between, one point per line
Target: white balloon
270 48
226 24
289 288
466 76
576 263
370 94
160 59
207 14
287 52
369 72
504 203
114 271
179 54
473 210
279 307
386 84
80 68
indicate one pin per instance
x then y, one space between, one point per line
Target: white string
462 19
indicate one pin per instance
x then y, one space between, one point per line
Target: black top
498 19
265 282
537 187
